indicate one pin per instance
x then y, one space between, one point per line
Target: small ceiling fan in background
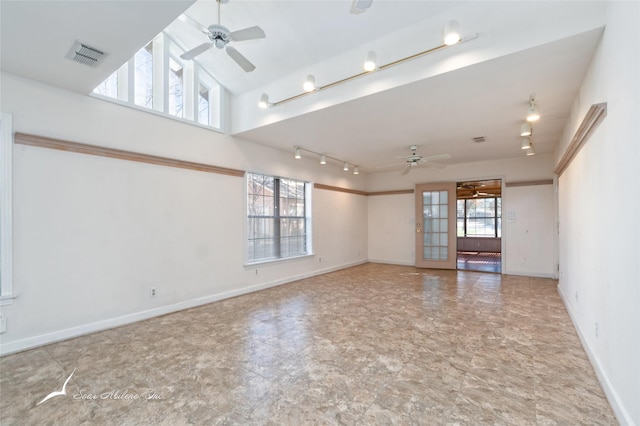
472 189
220 37
415 160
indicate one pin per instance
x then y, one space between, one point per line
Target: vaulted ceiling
438 102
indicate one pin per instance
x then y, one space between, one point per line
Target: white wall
528 223
92 235
599 203
530 238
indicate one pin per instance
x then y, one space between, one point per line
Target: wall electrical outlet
153 292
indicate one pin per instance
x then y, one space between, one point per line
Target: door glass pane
435 214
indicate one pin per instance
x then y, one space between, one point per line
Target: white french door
436 225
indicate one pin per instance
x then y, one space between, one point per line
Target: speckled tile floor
373 344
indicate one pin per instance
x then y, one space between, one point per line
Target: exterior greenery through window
277 218
479 217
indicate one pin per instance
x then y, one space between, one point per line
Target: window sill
7 299
154 112
266 262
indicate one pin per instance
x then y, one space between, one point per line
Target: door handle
418 228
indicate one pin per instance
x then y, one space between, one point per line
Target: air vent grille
479 139
84 54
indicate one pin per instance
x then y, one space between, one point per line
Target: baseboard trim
528 274
392 262
623 416
70 333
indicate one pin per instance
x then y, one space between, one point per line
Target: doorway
479 225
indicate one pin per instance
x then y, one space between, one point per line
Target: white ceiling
524 47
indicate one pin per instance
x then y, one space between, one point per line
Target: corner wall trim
44 142
339 189
589 124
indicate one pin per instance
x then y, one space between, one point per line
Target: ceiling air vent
85 54
479 139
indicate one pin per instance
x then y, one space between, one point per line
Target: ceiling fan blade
250 33
406 169
240 60
196 51
436 157
434 165
193 23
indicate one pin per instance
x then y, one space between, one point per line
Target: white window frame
308 218
6 214
165 47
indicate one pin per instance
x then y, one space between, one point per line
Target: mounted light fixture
324 159
309 84
525 129
525 144
531 150
452 33
264 101
533 114
370 62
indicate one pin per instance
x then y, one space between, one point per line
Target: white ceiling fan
414 160
220 37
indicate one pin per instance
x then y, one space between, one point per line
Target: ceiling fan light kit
451 38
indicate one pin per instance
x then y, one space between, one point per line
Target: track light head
452 33
345 167
525 144
309 84
370 62
531 151
297 154
323 159
264 101
525 129
533 114
356 171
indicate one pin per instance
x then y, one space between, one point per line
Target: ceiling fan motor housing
219 35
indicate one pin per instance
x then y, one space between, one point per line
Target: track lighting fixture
264 101
309 84
452 33
324 159
525 129
451 37
370 62
525 144
533 114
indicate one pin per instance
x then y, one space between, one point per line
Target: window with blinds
277 218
